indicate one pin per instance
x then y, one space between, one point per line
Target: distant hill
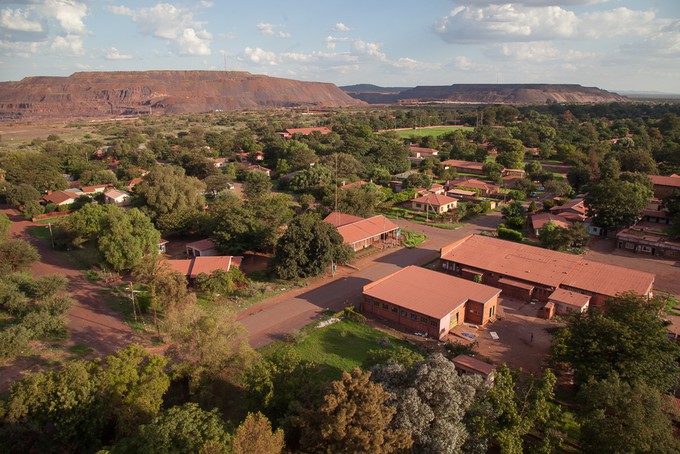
369 88
487 94
106 94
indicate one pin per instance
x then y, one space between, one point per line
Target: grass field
431 131
339 347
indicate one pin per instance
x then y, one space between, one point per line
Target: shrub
43 324
509 234
14 340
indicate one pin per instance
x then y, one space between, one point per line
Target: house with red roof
288 133
664 185
360 233
484 188
193 267
533 273
475 168
574 210
426 301
467 365
436 203
538 220
60 198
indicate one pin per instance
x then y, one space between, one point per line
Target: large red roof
660 180
546 267
337 219
428 292
435 199
366 228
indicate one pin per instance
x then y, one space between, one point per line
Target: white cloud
529 22
531 2
260 56
69 45
69 14
115 54
340 27
463 63
506 22
18 20
174 24
272 30
19 49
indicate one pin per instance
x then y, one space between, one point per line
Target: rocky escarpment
106 94
489 94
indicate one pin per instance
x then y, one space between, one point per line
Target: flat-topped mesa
106 94
488 94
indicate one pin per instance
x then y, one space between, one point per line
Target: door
454 321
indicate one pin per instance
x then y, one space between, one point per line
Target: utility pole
49 226
132 296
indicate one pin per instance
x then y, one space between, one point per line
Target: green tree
510 153
17 255
513 407
5 227
32 208
255 435
308 247
616 203
563 239
216 183
256 185
222 282
207 345
185 429
353 417
627 338
418 180
276 385
358 201
622 416
126 237
21 194
167 193
514 215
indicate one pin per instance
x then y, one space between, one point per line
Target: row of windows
403 312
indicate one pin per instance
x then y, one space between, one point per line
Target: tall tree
256 185
126 237
616 203
430 400
627 338
625 417
255 435
17 255
167 193
308 247
353 417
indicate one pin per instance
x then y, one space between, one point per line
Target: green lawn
339 347
437 131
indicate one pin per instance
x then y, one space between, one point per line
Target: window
394 309
414 317
386 306
375 303
423 319
630 245
434 323
404 313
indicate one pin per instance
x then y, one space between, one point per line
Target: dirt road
272 319
91 321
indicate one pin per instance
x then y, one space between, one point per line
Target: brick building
429 302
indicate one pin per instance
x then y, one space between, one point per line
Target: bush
400 355
456 348
509 234
14 340
43 324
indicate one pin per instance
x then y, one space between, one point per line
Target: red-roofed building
360 233
567 302
574 210
528 272
664 186
538 220
89 190
648 238
134 182
258 168
60 197
483 187
201 248
467 365
288 133
476 168
429 302
194 266
436 203
422 152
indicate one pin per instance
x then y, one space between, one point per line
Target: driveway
272 319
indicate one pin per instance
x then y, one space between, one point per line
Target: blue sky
612 44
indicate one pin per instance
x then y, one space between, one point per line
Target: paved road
272 319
